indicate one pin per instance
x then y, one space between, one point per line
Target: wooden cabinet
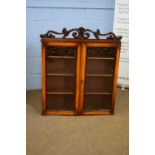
79 75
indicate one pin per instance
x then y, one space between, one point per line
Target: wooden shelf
65 113
99 75
100 58
97 93
60 74
60 93
98 112
60 57
88 75
71 93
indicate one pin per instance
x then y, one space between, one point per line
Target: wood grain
108 112
115 78
102 44
65 113
80 74
98 75
82 79
60 93
59 74
98 93
43 80
71 40
69 44
99 58
60 57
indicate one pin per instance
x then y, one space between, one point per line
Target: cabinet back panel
97 102
60 102
60 65
100 66
99 84
60 84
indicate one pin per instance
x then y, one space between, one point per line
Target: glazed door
97 77
60 78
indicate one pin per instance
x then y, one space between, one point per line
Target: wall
121 27
43 15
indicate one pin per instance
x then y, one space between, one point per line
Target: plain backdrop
53 14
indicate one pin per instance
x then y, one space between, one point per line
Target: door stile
82 78
115 78
78 70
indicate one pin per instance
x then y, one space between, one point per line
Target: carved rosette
80 33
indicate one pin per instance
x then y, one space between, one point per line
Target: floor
77 135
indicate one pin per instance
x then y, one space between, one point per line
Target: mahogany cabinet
79 75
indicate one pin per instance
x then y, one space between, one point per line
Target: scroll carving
60 51
80 33
101 51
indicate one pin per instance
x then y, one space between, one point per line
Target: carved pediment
80 33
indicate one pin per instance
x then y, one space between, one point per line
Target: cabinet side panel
43 80
115 79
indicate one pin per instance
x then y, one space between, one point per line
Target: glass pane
99 78
60 79
60 59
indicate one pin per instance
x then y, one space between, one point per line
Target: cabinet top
80 34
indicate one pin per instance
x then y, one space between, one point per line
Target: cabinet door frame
80 74
77 80
83 74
